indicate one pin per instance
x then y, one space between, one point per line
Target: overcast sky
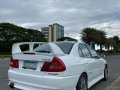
74 15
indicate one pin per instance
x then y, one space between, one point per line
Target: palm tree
88 35
100 38
92 35
109 43
116 43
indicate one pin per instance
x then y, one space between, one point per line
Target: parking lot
114 73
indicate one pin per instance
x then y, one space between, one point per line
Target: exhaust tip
11 85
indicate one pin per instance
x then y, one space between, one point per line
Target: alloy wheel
106 73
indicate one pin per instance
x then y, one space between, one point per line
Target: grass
5 54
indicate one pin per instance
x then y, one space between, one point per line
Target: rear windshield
65 47
45 48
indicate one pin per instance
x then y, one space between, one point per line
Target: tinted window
24 47
93 53
45 48
65 47
85 51
36 45
80 52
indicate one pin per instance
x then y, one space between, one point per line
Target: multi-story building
45 31
53 32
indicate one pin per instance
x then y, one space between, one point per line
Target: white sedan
55 66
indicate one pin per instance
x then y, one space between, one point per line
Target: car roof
68 42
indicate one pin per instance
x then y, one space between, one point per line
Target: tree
109 43
90 35
10 33
116 43
100 38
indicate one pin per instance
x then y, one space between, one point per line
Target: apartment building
53 32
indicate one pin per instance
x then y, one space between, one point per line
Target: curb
2 57
115 85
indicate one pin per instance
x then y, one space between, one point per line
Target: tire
105 73
82 83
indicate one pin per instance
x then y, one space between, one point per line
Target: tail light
56 65
14 63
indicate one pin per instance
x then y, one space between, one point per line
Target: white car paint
28 79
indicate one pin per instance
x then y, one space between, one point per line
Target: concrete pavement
115 85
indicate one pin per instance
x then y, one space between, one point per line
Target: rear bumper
33 82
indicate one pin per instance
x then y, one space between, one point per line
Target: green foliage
111 44
116 44
90 35
10 33
66 39
93 35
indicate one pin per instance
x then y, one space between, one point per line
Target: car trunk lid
31 61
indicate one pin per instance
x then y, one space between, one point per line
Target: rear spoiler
16 47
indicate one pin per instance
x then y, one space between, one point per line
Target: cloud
74 15
112 28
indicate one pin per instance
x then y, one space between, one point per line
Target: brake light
14 63
56 65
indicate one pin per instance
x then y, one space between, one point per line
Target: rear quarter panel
74 66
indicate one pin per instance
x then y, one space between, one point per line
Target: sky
74 15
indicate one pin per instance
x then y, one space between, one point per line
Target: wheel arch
106 65
83 73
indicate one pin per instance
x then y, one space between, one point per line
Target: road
114 73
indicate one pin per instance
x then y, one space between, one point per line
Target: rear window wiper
43 51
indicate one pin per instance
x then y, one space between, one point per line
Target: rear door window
93 52
80 51
85 51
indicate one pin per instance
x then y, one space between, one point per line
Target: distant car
55 66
